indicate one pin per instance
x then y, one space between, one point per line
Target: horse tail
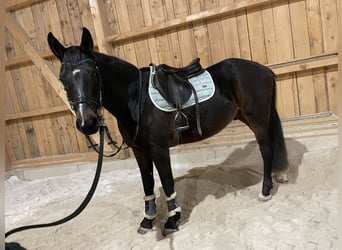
279 156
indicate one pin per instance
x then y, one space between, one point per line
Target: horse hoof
281 178
171 224
143 230
167 231
145 226
265 198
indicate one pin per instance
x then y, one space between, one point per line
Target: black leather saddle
173 84
192 69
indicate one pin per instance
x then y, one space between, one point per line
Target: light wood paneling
296 38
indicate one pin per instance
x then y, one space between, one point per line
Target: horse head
81 79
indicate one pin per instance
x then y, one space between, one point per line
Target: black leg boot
149 214
174 215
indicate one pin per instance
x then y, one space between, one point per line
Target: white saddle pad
203 84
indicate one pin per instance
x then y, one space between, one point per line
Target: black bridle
96 105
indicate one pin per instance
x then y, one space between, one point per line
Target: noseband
94 103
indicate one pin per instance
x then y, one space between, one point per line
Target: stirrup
178 121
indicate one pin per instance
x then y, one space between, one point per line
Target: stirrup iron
181 122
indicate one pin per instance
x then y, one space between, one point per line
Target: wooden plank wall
296 38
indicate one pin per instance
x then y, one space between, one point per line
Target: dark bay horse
244 90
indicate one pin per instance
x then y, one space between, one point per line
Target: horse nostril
94 121
88 126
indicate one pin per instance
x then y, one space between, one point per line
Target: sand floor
219 199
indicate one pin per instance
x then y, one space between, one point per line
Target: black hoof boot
171 224
145 226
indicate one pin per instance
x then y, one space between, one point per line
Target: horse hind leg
260 129
270 138
266 153
279 153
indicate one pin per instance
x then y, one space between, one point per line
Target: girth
172 83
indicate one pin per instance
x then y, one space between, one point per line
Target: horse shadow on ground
241 169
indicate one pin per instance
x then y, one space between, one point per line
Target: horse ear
87 40
56 47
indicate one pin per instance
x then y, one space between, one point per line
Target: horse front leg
146 170
161 158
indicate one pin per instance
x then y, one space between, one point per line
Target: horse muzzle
87 121
87 127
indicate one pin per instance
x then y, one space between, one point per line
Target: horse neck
117 75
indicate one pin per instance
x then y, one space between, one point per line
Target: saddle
172 83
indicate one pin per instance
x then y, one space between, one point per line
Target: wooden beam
53 160
41 112
11 5
98 11
339 95
99 15
194 18
3 150
24 59
305 64
47 70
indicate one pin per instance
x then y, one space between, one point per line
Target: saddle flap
173 87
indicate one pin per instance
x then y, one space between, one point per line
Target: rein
84 202
111 142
